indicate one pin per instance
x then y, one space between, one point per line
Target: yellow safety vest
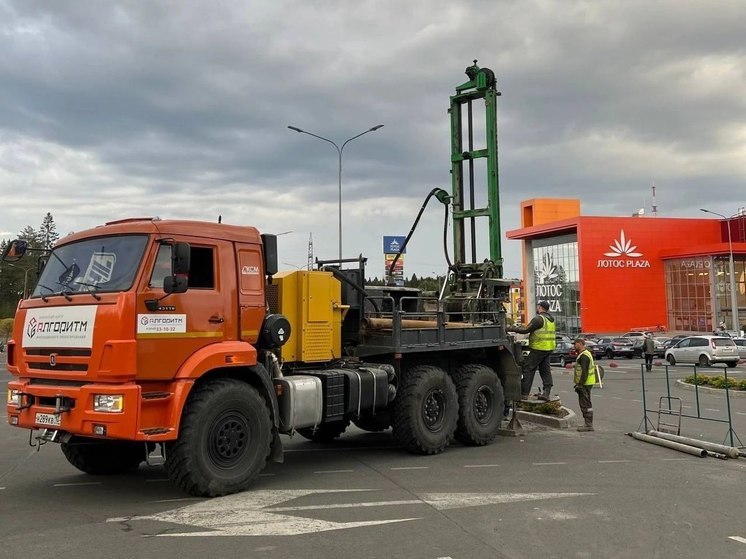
543 339
591 380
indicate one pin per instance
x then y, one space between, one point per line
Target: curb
710 390
549 420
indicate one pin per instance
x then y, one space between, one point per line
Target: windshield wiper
65 293
42 294
92 288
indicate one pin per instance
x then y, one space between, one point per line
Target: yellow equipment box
312 303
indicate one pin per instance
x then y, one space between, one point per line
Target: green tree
47 234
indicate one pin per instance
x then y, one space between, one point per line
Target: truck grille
64 360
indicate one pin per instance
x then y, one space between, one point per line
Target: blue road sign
392 245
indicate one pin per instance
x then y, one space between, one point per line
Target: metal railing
668 398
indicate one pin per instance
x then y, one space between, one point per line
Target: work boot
588 423
545 395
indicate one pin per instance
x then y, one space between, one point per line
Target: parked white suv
704 351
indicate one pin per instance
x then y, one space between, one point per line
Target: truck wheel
224 439
374 423
326 432
425 410
102 458
480 404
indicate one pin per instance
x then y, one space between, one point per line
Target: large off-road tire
480 404
326 432
102 458
224 439
374 423
425 410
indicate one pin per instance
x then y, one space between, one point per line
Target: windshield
92 265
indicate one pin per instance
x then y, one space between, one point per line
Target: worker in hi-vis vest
541 344
584 378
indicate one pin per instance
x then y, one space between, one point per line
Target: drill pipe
701 452
729 451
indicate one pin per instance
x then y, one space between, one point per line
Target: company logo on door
620 248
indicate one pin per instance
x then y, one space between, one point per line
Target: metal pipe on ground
694 451
729 451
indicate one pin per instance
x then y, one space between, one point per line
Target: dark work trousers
649 361
536 358
584 400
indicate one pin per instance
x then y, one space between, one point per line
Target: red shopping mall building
613 274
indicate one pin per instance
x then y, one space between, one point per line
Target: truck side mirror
270 253
175 284
180 259
14 251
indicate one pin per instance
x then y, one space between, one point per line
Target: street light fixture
733 294
339 151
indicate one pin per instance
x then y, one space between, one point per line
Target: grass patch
717 381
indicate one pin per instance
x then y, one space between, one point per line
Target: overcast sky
180 109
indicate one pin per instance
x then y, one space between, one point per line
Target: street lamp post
339 152
733 294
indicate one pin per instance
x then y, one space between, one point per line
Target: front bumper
72 408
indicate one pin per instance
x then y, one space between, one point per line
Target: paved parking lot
548 493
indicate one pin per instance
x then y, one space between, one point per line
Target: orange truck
182 340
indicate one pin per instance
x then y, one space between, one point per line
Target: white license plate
48 419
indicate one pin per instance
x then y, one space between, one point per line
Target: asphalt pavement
548 493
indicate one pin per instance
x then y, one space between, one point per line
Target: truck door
250 290
185 322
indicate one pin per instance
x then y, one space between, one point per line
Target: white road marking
710 409
177 500
251 513
411 468
481 465
639 401
1 488
613 461
334 471
616 398
738 539
548 463
77 484
740 413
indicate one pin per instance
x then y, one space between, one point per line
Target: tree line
18 279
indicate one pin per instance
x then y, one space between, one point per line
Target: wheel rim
434 409
562 361
228 440
483 404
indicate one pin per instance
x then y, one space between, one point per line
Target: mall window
557 278
689 294
722 281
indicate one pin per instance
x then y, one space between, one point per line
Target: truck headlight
110 403
14 397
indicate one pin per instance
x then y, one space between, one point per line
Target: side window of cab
162 267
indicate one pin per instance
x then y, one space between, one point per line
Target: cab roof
168 228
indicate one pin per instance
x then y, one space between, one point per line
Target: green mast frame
481 85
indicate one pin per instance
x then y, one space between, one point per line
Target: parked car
563 354
596 350
741 345
660 346
704 351
563 338
2 347
637 339
617 347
